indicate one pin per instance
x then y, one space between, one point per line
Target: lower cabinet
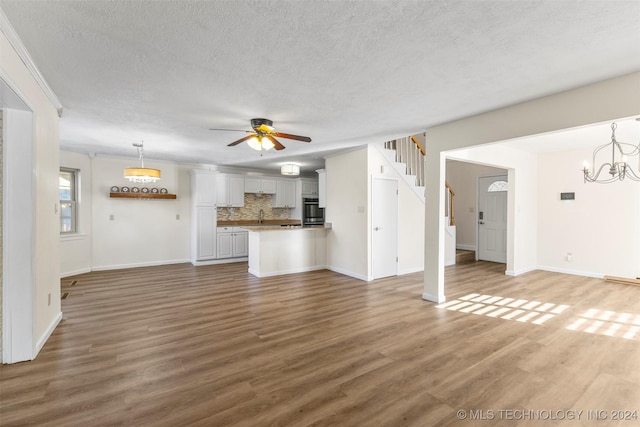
232 242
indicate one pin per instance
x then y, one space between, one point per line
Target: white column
434 228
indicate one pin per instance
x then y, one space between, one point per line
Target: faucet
260 216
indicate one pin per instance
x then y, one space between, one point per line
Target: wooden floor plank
213 345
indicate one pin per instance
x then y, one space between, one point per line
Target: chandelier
141 175
619 167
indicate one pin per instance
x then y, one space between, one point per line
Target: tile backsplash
252 205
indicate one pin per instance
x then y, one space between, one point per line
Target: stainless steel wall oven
312 214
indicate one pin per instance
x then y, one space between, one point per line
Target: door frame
18 226
506 174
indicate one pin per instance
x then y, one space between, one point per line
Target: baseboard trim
219 261
349 273
75 273
432 298
572 272
45 337
283 272
519 272
139 264
466 247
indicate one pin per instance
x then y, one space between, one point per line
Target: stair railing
412 153
450 206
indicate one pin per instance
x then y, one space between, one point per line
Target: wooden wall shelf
142 196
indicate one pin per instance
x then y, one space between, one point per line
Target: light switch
112 217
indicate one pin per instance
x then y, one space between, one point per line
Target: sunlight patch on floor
607 322
520 310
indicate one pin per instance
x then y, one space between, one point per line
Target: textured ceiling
344 73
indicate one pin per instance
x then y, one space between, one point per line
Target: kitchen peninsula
276 250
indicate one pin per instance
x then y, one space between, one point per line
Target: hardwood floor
214 346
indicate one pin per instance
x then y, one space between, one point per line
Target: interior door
492 218
384 231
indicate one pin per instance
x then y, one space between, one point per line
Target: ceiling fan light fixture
290 169
266 143
260 143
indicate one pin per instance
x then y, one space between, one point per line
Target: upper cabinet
203 188
309 187
260 185
322 188
230 190
285 194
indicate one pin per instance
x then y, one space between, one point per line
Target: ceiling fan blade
241 140
233 130
276 143
289 136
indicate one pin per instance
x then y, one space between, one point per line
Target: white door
492 218
384 231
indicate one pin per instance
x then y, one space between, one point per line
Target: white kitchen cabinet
204 215
203 188
203 236
309 187
259 185
232 242
230 190
322 188
240 244
285 196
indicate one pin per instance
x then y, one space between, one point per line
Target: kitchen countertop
254 223
260 228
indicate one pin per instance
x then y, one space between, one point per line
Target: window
498 186
67 188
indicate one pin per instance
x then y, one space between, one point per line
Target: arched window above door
498 186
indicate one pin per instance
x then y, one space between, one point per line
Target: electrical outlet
177 216
112 217
569 256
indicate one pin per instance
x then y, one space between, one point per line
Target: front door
492 218
384 231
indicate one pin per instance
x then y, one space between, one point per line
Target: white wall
347 211
463 178
142 232
75 250
600 228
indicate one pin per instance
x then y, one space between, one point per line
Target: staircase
407 155
464 256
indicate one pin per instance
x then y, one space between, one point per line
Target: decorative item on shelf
154 191
125 189
135 190
141 174
163 191
620 166
145 190
291 169
115 189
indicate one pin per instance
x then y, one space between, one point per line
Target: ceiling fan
263 136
